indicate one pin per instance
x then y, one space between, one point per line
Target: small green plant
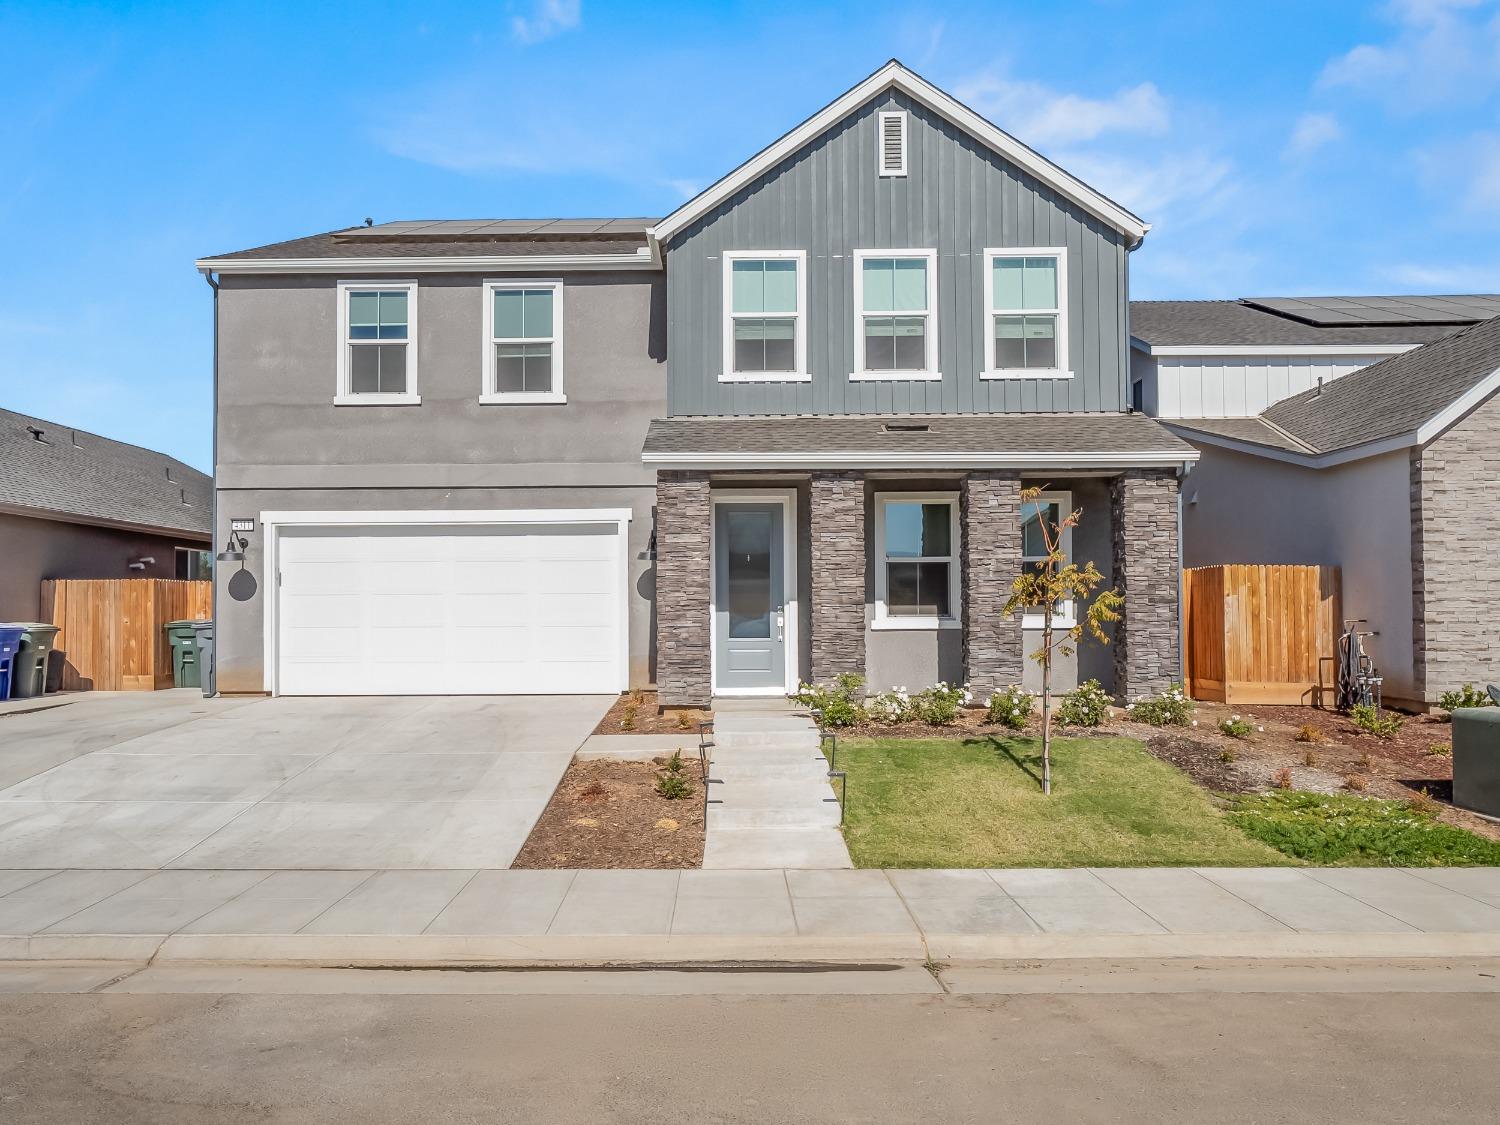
841 703
1227 755
673 786
1425 804
1356 782
1466 696
1010 708
1236 727
1087 705
1347 829
889 707
1172 708
675 764
1440 750
685 719
1369 719
1310 733
939 704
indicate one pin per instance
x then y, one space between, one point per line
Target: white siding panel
1237 386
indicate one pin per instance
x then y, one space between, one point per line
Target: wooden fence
113 630
1262 634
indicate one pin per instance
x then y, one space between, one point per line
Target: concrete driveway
171 780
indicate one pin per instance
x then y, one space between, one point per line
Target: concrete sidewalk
402 917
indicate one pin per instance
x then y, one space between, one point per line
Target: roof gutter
911 459
648 257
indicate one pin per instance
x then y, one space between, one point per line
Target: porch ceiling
871 441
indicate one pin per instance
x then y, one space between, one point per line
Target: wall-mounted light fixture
142 563
234 550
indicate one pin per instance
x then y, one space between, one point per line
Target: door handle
780 626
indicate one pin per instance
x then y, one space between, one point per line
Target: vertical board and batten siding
1239 386
959 198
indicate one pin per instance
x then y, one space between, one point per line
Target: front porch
765 578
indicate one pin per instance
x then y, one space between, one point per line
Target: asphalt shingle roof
1393 397
1256 431
97 480
462 238
886 433
1231 323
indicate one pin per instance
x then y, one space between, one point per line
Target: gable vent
893 144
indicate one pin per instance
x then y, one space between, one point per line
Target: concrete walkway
347 917
770 802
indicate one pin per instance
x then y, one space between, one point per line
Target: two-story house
779 435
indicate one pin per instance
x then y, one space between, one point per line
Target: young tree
1043 586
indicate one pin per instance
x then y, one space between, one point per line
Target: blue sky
1277 147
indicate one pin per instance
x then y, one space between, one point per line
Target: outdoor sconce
234 551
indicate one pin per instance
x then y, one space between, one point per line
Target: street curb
581 950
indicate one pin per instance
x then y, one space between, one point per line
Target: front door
749 597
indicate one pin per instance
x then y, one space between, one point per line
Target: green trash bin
29 672
183 636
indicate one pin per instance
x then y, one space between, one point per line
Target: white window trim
727 373
929 372
487 392
885 116
883 619
987 331
1064 617
342 395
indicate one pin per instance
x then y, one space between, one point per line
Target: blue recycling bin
10 644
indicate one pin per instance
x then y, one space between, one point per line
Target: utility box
1476 759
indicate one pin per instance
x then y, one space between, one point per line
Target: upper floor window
765 332
377 352
523 341
895 292
1026 297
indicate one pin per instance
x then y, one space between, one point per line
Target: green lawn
977 803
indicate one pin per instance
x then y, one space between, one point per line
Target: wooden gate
1261 634
114 630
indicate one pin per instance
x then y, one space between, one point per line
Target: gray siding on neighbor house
959 198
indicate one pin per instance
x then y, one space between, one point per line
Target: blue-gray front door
749 596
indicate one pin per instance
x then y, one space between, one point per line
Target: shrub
675 764
1227 755
1466 696
1311 733
1440 750
1011 708
841 703
1342 828
889 707
1087 705
1368 718
1236 727
1424 804
1357 782
1282 778
1310 758
673 786
1171 708
939 704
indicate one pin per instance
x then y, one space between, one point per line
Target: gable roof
84 478
1168 327
893 75
1415 395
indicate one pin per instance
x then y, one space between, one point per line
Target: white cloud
1450 277
546 19
1442 51
1312 132
1043 117
1467 170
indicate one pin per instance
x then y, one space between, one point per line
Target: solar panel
1345 312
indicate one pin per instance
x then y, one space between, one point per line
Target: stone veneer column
990 519
683 573
1147 571
837 527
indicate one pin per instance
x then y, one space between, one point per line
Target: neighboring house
1389 473
76 505
778 435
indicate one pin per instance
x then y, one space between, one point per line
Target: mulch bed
638 712
607 814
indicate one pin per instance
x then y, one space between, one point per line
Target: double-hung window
377 364
765 329
1039 521
523 341
917 563
895 292
1026 322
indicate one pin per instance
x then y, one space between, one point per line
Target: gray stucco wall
35 549
283 445
1239 508
1456 528
958 198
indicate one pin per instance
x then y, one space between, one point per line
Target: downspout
1182 638
213 593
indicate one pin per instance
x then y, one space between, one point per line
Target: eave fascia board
647 258
894 75
1165 458
1289 350
1459 407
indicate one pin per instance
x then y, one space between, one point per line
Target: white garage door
444 610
